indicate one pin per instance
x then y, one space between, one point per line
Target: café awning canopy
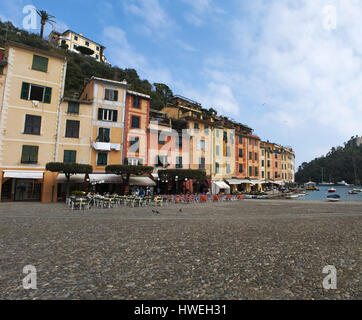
105 178
18 174
76 178
238 181
221 184
141 182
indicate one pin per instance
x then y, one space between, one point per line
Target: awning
105 178
24 174
76 178
256 181
233 181
221 184
141 182
240 181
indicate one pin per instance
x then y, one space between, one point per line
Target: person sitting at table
141 193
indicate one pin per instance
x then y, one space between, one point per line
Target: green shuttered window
30 155
70 156
35 92
40 63
25 91
73 107
72 129
102 159
104 135
32 124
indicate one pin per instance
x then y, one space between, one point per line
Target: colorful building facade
136 128
107 133
73 40
33 86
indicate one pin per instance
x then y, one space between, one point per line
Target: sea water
340 190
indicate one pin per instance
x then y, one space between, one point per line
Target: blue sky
291 69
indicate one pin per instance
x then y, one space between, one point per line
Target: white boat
332 190
326 184
293 196
342 183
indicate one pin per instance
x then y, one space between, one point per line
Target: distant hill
81 68
341 163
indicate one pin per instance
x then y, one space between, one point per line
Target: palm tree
45 18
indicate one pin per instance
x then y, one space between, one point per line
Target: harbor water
340 190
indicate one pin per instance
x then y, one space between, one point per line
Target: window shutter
76 129
107 135
115 98
25 155
37 124
48 95
107 94
40 63
100 114
66 156
25 91
34 154
115 116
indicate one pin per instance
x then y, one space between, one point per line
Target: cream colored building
33 85
73 40
108 112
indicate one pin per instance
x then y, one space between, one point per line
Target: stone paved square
239 250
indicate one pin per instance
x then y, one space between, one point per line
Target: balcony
106 146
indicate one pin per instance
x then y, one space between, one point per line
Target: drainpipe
62 88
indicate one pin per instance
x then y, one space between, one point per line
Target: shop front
99 183
22 185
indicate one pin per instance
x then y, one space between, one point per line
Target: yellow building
267 152
73 40
224 157
32 85
284 165
73 143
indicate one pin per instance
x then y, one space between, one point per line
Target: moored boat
342 183
333 198
332 190
354 191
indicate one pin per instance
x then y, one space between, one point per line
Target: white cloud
201 10
183 45
309 77
119 50
153 17
122 54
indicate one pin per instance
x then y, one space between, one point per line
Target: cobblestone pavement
241 250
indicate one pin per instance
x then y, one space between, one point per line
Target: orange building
136 128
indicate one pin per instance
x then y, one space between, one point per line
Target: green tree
161 96
45 18
69 169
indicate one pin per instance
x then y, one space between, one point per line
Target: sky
290 69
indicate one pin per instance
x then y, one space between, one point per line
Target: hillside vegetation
81 68
341 163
